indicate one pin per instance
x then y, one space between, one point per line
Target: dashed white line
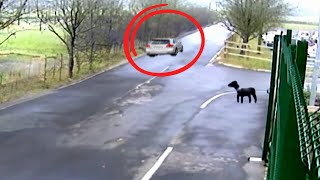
149 80
156 166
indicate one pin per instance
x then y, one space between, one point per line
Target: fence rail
233 48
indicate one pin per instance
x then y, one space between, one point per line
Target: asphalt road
116 125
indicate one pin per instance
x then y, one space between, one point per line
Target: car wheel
175 52
181 49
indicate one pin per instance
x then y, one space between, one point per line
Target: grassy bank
53 78
295 26
29 40
26 45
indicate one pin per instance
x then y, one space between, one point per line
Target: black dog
243 92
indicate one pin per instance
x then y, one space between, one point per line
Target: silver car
162 46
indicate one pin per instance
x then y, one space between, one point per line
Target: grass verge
30 40
295 26
22 87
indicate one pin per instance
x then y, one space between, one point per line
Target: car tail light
169 45
148 45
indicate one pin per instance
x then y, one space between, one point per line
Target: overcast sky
304 7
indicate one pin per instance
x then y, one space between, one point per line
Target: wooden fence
233 46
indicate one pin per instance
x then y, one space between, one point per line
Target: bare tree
68 15
251 18
272 12
10 12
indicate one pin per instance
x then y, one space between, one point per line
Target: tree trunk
259 41
91 57
245 40
92 43
78 60
71 61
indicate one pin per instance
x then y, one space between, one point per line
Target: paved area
117 124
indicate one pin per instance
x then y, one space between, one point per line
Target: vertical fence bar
284 144
1 79
60 69
301 59
54 70
271 104
45 72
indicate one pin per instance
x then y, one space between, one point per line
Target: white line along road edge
205 104
156 166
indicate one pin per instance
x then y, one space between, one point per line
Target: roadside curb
241 67
214 59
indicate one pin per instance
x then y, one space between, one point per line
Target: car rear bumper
160 51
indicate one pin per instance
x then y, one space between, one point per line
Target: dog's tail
254 95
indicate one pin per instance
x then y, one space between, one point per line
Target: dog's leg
255 97
241 99
238 96
249 99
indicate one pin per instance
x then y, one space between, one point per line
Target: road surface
116 125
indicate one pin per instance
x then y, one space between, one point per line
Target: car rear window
160 41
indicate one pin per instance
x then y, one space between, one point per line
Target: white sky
304 7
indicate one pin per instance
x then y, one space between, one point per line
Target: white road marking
255 159
141 84
156 166
149 80
205 104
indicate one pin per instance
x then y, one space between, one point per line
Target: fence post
301 59
45 72
61 65
272 99
225 50
1 79
16 81
54 70
11 83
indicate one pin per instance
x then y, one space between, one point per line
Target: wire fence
17 78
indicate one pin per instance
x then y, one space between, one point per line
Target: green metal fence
292 138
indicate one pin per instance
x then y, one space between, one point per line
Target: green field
29 40
294 26
251 63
